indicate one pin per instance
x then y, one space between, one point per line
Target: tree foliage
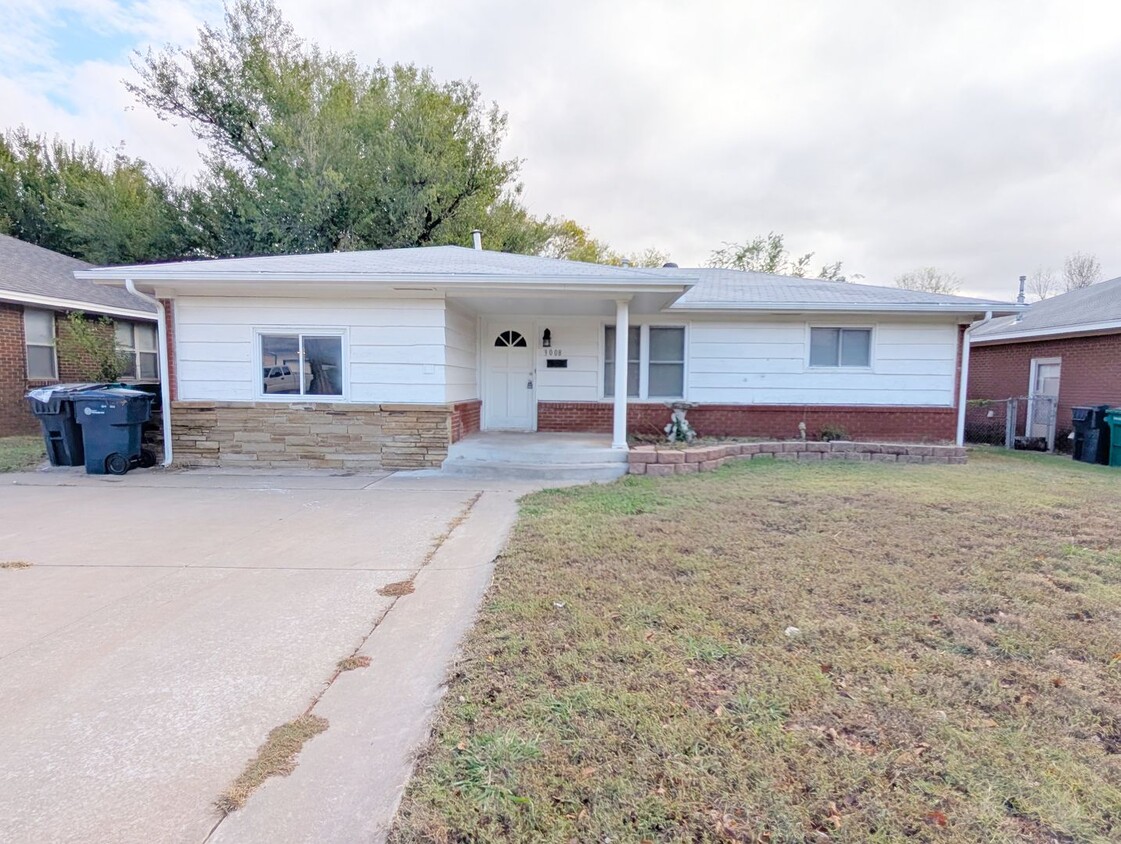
73 200
1042 283
90 345
768 254
930 280
309 151
571 241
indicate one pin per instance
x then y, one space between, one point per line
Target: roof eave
58 304
950 309
113 276
1085 329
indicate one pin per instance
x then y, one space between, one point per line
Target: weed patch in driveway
397 589
778 652
14 564
352 663
275 758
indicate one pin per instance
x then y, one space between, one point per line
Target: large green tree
74 200
768 254
310 151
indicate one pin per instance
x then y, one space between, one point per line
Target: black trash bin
1091 434
112 422
54 407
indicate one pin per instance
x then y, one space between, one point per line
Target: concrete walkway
168 621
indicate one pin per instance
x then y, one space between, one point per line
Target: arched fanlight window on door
510 338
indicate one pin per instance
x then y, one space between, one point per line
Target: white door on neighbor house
508 400
1044 382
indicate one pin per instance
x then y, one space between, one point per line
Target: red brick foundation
906 424
465 418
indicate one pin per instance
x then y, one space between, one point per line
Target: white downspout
963 386
165 368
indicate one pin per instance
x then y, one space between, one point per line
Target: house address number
554 353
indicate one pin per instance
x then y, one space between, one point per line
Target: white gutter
963 386
165 368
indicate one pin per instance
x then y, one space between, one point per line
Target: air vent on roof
669 265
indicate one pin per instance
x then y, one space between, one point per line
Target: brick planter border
667 460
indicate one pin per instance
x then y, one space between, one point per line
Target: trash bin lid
45 394
112 394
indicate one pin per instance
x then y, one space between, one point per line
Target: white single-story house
385 358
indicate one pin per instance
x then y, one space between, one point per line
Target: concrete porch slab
537 456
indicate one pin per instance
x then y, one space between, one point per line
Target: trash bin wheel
147 458
116 464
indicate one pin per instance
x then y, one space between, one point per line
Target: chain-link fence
1018 422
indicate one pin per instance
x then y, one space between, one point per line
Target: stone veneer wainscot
310 435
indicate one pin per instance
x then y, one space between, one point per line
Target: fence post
1011 409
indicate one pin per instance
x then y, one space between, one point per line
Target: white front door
508 401
1044 382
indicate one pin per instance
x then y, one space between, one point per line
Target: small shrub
833 432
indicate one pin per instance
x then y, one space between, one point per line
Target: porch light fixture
546 339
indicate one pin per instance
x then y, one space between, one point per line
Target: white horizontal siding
394 347
578 341
461 355
766 362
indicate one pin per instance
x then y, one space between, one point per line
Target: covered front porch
536 456
539 360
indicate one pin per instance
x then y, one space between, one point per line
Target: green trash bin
1113 420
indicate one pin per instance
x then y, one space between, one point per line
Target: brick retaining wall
310 435
466 417
668 460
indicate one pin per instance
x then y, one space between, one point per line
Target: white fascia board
849 307
35 300
1056 331
113 276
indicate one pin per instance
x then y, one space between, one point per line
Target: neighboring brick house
384 359
1068 346
37 291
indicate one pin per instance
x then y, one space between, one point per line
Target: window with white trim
39 341
136 342
655 361
841 347
302 365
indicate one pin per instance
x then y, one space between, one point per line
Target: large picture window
655 361
302 365
136 341
836 347
39 341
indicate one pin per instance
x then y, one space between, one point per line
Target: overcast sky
983 138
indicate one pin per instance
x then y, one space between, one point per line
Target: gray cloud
982 140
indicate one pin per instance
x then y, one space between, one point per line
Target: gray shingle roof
1099 303
720 288
28 269
442 261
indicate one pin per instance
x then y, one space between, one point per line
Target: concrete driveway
168 621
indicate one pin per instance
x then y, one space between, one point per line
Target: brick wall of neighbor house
465 419
1090 374
15 418
905 424
310 435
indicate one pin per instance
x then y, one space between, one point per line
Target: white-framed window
39 341
301 364
136 341
655 361
840 347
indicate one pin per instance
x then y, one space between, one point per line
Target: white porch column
622 332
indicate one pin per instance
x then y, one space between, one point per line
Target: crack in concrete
437 544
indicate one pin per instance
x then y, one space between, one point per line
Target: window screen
667 362
634 349
38 335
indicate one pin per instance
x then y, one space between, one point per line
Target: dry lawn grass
275 758
955 675
19 453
